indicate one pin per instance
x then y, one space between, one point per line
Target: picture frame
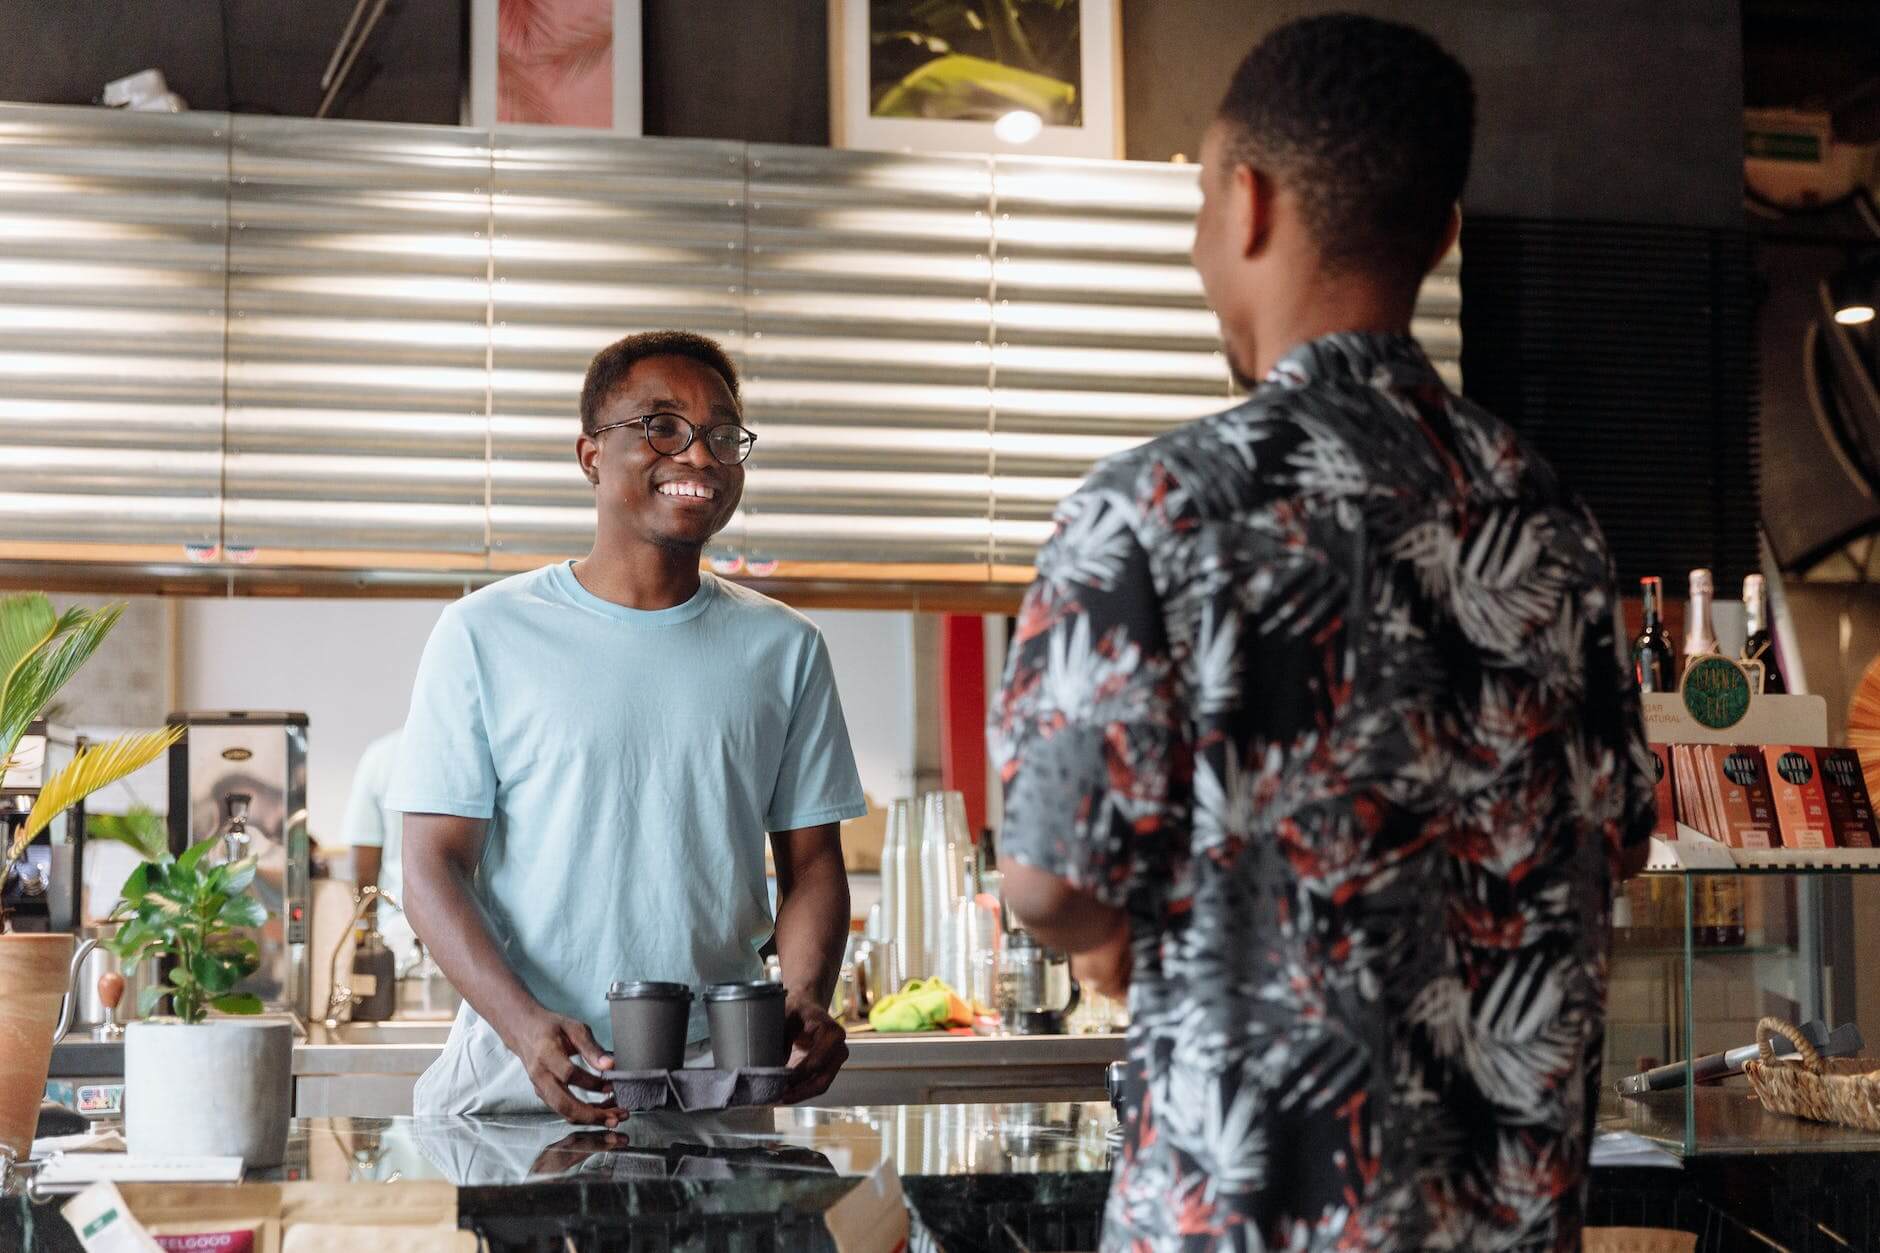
939 83
567 79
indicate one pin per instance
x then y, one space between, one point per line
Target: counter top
783 1142
369 1068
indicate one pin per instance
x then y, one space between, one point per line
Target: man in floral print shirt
1315 733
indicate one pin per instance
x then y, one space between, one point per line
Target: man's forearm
445 916
812 927
1060 915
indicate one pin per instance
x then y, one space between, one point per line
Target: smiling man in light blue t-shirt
596 752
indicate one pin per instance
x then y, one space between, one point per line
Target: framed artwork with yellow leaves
1020 76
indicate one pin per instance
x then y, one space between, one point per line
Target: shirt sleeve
1085 732
365 816
816 781
444 764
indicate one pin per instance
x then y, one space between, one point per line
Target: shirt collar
1373 358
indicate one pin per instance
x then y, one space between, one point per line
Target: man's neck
1323 308
640 576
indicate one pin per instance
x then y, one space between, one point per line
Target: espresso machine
241 777
44 890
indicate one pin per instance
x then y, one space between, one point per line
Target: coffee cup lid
752 991
648 990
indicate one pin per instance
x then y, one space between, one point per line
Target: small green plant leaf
215 974
195 853
148 1000
241 911
237 875
238 1003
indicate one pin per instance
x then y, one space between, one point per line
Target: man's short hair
1369 123
611 364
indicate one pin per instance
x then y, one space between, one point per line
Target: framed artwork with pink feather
563 63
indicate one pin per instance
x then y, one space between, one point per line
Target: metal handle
69 1001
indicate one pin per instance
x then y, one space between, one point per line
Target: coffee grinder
44 890
241 777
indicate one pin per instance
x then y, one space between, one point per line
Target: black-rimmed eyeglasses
669 434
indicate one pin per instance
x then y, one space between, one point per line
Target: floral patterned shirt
1325 691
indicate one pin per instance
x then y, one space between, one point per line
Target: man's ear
1252 209
587 451
1451 233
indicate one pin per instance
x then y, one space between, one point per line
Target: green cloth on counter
923 1005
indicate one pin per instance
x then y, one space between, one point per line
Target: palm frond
44 671
96 766
26 622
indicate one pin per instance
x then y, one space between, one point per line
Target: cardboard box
1801 805
1850 810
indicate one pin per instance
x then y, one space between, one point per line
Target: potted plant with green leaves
196 1087
41 650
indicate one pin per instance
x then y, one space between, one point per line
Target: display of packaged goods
1850 809
1746 805
1801 804
1666 826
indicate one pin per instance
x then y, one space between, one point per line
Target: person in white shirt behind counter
375 833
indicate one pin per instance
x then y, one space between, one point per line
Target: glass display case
1720 933
1682 988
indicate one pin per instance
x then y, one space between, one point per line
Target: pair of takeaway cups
746 1020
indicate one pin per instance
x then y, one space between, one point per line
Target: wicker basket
1637 1240
1845 1090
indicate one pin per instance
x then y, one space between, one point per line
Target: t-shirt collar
561 576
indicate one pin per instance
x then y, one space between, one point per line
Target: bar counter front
1029 1175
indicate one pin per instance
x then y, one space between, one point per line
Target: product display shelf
1808 916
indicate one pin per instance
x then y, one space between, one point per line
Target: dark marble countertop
1031 1138
688 1181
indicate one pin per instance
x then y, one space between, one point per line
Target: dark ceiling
1815 54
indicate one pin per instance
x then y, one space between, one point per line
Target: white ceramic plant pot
220 1089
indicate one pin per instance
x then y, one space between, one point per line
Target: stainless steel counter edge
866 1052
82 1059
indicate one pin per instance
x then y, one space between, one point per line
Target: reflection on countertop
1024 1138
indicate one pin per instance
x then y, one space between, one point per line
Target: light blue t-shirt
630 763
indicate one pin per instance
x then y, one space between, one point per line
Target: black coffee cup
747 1024
649 1024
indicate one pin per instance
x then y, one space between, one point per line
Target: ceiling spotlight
1020 126
1854 315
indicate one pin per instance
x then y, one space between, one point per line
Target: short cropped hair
612 363
1370 124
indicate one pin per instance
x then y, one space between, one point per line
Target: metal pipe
345 68
339 49
340 997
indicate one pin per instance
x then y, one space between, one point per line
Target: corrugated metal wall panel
596 238
358 342
112 237
867 359
935 348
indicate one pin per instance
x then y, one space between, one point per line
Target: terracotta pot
34 970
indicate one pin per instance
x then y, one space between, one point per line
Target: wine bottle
1651 648
1759 645
1700 638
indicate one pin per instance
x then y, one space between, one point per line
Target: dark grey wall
1622 110
1626 110
64 51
